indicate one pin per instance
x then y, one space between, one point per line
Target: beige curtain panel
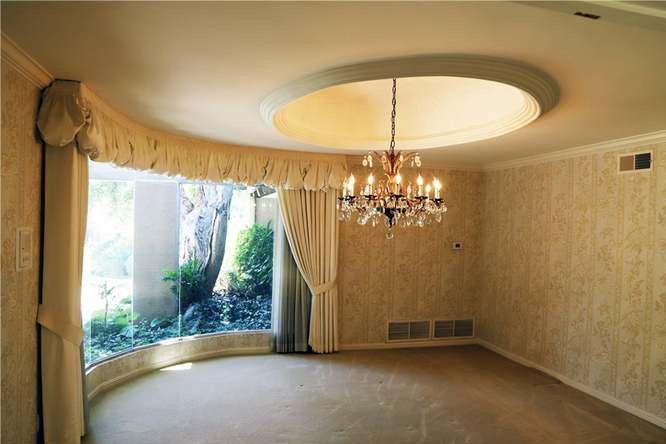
311 224
65 199
70 111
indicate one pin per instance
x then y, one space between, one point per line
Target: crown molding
540 94
21 61
637 141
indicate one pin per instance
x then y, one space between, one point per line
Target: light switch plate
23 249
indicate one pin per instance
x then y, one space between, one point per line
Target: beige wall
574 260
416 275
21 160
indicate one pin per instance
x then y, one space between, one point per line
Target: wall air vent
398 331
408 330
419 330
635 162
459 328
443 329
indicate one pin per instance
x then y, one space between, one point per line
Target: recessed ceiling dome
456 100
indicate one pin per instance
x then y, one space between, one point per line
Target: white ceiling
202 69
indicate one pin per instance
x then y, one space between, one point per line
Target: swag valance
71 112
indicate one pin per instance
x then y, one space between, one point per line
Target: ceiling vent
635 162
459 328
587 15
408 330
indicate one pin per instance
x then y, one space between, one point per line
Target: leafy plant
226 312
187 283
106 294
253 262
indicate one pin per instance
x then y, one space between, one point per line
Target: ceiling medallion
448 99
390 200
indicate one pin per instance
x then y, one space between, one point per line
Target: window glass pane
106 295
166 258
156 294
226 258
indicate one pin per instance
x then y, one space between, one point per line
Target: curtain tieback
48 318
326 286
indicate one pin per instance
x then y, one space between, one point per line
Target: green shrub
253 262
191 280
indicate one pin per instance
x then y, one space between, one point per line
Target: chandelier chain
393 102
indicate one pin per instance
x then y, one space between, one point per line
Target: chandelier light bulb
438 187
371 179
398 179
428 190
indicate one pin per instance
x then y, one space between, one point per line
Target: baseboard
405 344
106 385
650 417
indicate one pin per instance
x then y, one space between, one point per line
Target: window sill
120 367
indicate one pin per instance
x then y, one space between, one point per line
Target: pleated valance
72 112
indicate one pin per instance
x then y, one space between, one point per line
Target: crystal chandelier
389 200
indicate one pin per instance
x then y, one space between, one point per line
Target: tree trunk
204 230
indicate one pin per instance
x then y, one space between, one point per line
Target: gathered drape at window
311 225
65 199
291 304
70 110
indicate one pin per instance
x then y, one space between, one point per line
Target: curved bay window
167 258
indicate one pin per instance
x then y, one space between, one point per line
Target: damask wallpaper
416 275
574 272
21 166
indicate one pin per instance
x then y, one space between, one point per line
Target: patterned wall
416 275
574 260
21 166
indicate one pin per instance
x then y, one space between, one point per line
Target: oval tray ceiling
441 100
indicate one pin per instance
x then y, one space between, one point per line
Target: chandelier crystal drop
390 200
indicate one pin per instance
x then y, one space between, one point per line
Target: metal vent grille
443 329
419 330
464 327
398 331
642 161
459 328
408 330
635 162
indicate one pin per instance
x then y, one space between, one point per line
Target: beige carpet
436 395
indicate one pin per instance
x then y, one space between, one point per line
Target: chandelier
390 200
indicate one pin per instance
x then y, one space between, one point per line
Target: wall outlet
457 246
23 249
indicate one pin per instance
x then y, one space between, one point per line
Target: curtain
291 302
65 200
70 109
75 124
311 225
